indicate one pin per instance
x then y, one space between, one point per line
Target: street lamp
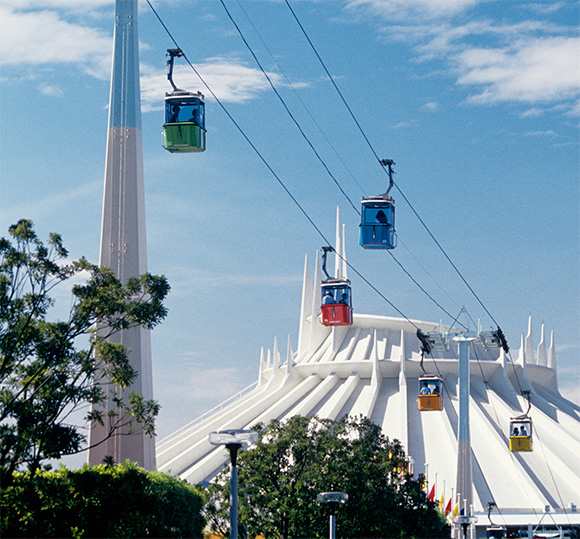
465 521
333 499
233 440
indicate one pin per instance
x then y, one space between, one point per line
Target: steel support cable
289 82
332 81
379 160
418 262
304 134
273 172
445 254
286 106
420 287
552 475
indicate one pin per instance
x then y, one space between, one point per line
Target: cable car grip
325 250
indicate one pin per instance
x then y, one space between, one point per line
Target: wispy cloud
431 106
533 61
229 78
45 37
405 9
530 71
186 280
44 206
50 90
548 133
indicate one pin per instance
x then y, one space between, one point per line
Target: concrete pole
233 449
332 526
464 473
123 236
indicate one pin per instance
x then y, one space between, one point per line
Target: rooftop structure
372 368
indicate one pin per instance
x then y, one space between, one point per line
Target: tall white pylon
123 239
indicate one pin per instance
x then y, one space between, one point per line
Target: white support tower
123 237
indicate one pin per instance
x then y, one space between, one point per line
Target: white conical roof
372 368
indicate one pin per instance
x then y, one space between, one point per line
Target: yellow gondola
430 393
521 438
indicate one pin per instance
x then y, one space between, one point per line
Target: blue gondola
184 127
377 227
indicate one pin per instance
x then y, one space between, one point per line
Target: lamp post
333 499
465 521
233 440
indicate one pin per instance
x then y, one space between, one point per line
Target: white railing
213 410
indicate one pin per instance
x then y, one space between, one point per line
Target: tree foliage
102 501
295 460
47 368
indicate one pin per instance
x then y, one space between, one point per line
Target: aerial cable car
377 226
521 430
184 127
494 531
430 392
336 293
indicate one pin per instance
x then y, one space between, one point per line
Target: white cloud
544 9
548 133
185 281
532 113
229 79
405 9
531 71
44 37
59 4
50 90
53 203
431 106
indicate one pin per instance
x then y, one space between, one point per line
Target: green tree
47 369
295 460
102 501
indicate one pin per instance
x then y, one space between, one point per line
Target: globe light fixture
233 440
333 500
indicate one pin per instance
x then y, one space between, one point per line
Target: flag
456 510
441 503
448 508
432 493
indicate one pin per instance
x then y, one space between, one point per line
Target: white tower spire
123 240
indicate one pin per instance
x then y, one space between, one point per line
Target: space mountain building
373 367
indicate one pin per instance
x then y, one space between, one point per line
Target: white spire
521 360
305 310
529 346
344 265
318 332
289 356
542 358
262 366
337 253
552 352
276 358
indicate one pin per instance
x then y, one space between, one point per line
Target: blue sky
477 101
